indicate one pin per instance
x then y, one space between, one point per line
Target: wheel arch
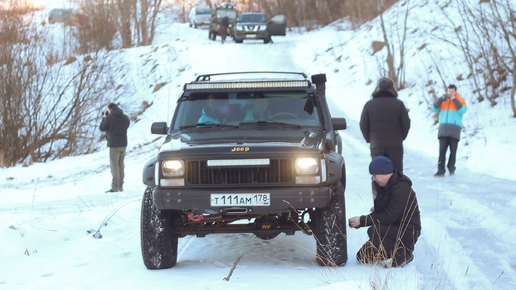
149 170
335 167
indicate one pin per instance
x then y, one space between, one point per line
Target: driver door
277 25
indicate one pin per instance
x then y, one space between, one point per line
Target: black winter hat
381 165
385 85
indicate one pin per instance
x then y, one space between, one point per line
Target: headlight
307 165
262 28
239 27
173 168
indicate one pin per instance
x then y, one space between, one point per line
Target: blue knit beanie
381 165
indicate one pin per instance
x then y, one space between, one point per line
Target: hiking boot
452 173
394 263
111 190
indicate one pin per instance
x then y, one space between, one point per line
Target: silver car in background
199 15
61 15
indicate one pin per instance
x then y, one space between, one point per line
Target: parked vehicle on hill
61 15
199 15
250 152
257 26
217 14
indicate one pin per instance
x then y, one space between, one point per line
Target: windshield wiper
207 125
270 122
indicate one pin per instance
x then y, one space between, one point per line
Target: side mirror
159 128
339 123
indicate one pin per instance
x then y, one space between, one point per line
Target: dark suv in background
251 25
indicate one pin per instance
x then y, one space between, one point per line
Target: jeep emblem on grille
239 149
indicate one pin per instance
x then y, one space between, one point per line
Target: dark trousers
116 162
388 241
223 31
395 155
444 143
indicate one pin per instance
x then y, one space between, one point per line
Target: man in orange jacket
451 107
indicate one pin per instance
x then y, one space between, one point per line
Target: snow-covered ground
47 210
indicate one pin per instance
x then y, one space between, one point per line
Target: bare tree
505 18
394 41
96 27
47 111
485 35
146 20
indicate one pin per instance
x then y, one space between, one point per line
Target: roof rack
207 77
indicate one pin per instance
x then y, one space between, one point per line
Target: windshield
222 13
252 18
291 109
203 10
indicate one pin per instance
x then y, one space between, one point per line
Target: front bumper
240 35
202 22
281 199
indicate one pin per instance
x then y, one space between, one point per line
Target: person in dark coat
395 223
115 123
223 27
385 123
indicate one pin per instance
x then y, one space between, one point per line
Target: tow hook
193 216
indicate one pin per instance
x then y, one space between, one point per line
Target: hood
313 139
251 23
384 88
116 111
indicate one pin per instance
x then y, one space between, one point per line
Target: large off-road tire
267 40
330 230
159 244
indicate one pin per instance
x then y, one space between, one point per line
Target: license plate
251 36
240 199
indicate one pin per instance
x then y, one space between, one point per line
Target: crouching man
394 225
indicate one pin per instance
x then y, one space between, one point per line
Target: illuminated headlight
239 27
173 168
307 165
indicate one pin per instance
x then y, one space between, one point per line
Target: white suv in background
199 15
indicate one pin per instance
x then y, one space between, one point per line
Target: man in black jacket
395 224
223 27
115 123
385 123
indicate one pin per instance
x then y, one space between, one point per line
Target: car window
296 108
252 18
278 19
55 12
203 10
222 12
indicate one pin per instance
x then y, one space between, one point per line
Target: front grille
279 171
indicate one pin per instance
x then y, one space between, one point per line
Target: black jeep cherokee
259 148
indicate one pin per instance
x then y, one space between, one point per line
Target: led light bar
239 162
247 85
